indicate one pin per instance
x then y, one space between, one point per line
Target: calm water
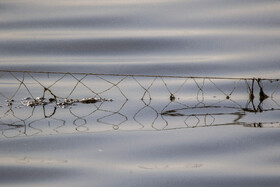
213 132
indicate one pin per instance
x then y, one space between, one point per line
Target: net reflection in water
36 103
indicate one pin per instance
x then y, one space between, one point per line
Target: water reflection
138 102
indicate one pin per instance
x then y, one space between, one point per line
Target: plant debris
62 103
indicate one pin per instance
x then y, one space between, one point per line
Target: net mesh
55 102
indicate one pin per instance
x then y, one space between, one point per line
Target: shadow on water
36 103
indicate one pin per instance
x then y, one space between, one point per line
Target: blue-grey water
215 131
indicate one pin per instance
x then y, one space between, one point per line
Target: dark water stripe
200 180
240 69
135 46
93 46
27 174
66 23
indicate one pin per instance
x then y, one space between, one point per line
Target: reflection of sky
219 37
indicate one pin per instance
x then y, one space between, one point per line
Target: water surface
215 131
232 38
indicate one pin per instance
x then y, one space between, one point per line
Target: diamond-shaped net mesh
55 102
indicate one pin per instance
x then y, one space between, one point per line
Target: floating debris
10 102
172 97
27 101
40 98
33 102
30 103
263 125
71 101
66 102
262 95
52 100
90 100
62 103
